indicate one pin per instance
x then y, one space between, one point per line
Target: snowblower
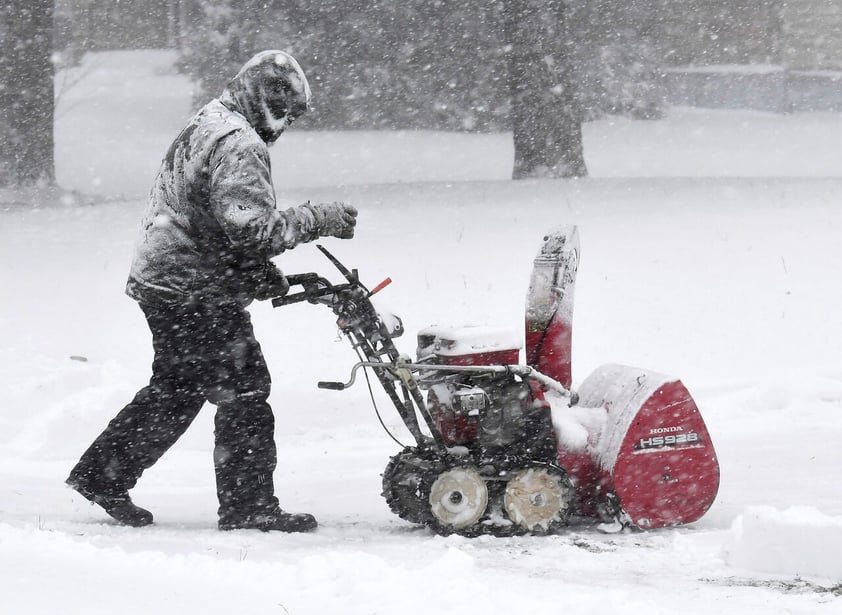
508 448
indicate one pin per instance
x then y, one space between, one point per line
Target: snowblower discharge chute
505 448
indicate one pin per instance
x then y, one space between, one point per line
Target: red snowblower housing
642 450
634 445
505 448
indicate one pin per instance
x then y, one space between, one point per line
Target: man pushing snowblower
499 447
204 253
506 448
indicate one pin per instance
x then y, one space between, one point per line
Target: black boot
276 520
120 506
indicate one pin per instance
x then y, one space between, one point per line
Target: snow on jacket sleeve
242 200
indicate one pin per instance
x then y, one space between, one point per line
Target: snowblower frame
358 319
488 460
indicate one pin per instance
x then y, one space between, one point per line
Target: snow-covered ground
711 250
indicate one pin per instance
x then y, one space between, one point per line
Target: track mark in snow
793 586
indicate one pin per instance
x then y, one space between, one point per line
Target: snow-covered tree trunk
26 92
546 118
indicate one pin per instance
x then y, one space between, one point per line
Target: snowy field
711 250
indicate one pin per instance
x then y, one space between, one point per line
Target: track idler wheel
406 484
458 499
539 499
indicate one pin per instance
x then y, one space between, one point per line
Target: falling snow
710 252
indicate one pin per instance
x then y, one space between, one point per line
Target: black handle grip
302 278
309 281
333 386
290 299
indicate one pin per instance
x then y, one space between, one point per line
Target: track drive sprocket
406 484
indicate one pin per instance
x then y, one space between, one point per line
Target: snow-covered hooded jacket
211 224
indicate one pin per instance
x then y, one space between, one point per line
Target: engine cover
469 345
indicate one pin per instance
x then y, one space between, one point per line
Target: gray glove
271 283
335 219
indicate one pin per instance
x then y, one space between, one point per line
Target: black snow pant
203 352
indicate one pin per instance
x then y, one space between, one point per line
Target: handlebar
359 320
333 386
302 279
316 290
320 290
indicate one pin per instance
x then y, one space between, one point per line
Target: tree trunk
26 92
546 118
